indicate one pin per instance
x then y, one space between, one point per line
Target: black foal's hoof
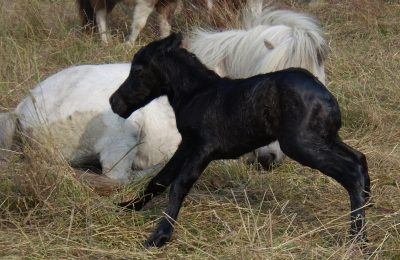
126 205
137 205
156 241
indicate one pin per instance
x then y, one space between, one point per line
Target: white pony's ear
268 44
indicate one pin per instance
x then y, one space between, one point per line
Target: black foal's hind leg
338 161
161 181
189 174
360 157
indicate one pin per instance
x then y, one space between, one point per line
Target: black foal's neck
186 75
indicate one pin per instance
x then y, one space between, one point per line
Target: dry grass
234 211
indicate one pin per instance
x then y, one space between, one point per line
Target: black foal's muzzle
118 106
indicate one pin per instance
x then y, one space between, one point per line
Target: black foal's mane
179 62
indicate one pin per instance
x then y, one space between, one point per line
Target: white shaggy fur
295 39
71 108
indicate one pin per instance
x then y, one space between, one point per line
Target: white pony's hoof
129 43
146 172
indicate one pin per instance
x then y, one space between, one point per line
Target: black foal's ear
175 41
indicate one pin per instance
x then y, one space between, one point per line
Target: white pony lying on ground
71 110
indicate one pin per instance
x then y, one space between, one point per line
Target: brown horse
221 14
95 13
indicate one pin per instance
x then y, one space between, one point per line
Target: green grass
234 211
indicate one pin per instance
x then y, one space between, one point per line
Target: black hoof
126 205
156 241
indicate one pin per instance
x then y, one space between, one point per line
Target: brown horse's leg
166 9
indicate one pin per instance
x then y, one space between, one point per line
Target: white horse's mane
294 37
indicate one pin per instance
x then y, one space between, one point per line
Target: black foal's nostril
111 100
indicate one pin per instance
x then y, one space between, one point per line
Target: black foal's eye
137 70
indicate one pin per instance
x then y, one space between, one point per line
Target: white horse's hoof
129 43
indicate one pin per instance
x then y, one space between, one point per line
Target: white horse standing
71 108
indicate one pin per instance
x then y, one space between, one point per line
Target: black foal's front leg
161 181
189 174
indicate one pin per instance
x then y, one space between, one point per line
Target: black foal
221 118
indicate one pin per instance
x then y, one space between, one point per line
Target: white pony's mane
293 37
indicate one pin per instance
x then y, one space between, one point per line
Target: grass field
234 211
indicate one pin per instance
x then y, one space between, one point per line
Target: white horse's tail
272 40
7 129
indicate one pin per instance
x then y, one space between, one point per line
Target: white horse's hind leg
116 157
102 23
165 27
149 171
7 129
270 155
267 156
141 12
118 146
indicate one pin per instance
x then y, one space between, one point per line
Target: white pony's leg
102 23
118 145
7 129
270 154
118 166
116 154
148 171
166 10
141 12
165 27
266 155
210 4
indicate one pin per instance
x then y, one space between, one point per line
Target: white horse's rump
71 108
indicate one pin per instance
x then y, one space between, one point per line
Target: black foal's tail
86 14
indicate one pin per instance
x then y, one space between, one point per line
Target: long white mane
291 39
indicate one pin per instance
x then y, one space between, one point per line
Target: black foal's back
257 111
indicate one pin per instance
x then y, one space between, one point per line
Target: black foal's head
147 79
